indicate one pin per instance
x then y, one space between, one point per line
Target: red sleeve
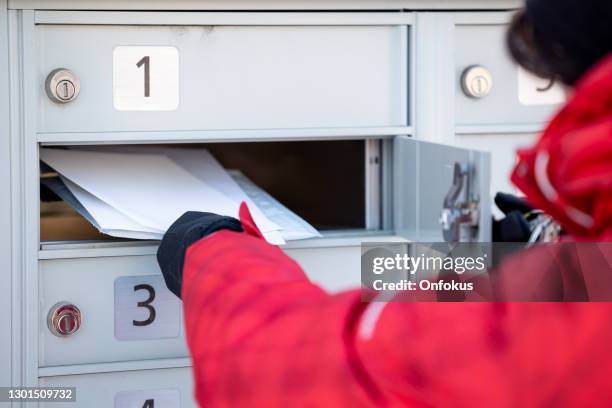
261 334
491 354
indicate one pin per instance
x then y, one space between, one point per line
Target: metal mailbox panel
169 387
229 77
506 104
334 268
423 176
115 294
98 287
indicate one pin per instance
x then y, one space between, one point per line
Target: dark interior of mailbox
324 182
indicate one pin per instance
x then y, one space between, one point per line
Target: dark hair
561 39
534 54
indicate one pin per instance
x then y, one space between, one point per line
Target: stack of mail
138 192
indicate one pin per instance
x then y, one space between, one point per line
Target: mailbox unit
353 113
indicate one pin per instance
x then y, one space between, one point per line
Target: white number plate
145 309
533 90
145 78
169 398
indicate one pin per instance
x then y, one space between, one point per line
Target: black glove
512 228
189 228
508 203
515 226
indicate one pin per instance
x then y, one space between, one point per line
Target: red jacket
262 335
568 173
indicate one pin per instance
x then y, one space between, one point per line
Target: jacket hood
568 172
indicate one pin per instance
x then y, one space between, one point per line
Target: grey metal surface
296 76
418 177
100 390
423 176
25 193
6 298
207 18
89 283
438 93
433 77
449 42
265 4
15 188
247 135
483 43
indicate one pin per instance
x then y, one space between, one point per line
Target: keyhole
481 84
66 324
65 90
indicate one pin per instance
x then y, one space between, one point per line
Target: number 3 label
145 78
145 309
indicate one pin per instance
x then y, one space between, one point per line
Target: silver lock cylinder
62 85
476 81
64 319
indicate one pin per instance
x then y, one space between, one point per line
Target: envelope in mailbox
138 192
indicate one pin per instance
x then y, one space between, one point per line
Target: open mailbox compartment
368 187
335 185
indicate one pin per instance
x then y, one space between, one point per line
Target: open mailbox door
440 192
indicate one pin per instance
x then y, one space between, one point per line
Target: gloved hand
189 228
522 223
508 203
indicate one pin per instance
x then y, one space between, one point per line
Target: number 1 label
145 78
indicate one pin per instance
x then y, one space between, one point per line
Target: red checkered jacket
262 335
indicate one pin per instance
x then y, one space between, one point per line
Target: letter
459 265
377 263
436 263
405 259
480 263
398 262
389 264
448 264
412 267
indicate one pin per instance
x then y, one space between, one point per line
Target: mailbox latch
460 212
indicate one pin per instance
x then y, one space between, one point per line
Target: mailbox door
128 314
170 387
176 78
423 176
513 97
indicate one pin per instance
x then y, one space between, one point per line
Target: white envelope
201 164
109 220
148 188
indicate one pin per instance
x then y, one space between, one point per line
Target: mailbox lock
62 85
476 81
64 319
460 211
